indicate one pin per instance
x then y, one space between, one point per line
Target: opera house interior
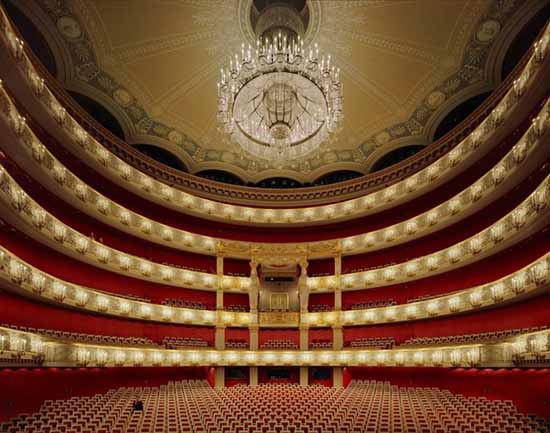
274 216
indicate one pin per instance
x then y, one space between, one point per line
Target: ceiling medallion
280 100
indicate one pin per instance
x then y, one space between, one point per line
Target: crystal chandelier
278 100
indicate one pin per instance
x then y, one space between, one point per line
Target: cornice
22 278
284 197
510 169
54 352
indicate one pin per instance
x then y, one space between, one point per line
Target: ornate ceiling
155 64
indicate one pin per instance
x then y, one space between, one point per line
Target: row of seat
183 342
85 338
320 344
371 304
371 343
236 343
469 338
184 303
278 344
195 407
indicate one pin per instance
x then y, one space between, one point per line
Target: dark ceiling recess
279 182
161 155
524 39
220 176
458 114
297 4
337 176
395 156
103 116
33 37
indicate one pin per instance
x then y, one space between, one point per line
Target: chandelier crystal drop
278 100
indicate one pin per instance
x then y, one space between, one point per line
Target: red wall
480 272
533 312
74 271
319 334
197 225
235 299
529 389
236 267
237 334
278 334
453 234
24 390
106 234
15 310
321 299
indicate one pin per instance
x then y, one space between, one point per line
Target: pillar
253 329
304 376
304 337
337 377
337 337
253 376
219 379
219 273
338 274
219 338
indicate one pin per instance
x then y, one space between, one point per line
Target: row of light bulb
20 342
70 238
82 244
350 244
515 285
45 285
102 355
464 356
443 260
321 213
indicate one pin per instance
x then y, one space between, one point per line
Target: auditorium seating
371 343
184 303
236 343
469 338
194 407
85 338
320 344
278 344
184 342
372 304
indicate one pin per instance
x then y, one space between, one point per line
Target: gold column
219 379
337 377
304 337
253 376
219 272
338 275
337 337
219 338
304 376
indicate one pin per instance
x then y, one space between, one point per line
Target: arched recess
336 176
395 156
103 116
220 176
458 114
161 155
32 35
523 40
278 183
